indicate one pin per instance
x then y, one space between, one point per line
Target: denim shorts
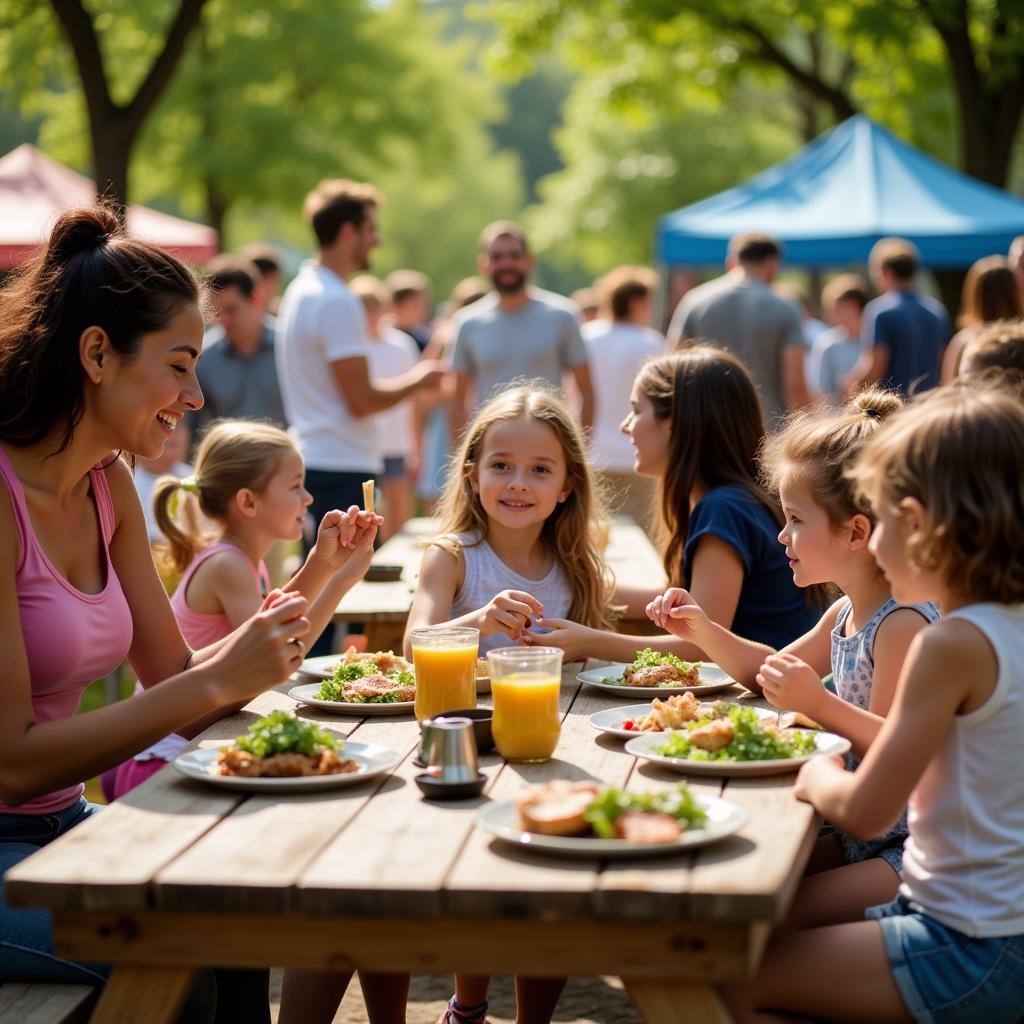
946 977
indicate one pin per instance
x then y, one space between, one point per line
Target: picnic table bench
383 606
179 875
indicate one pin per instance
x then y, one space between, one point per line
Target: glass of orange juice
444 661
525 682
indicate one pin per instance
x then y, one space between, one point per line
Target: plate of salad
740 743
363 684
586 819
662 716
282 753
656 673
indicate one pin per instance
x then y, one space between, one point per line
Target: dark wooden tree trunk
112 149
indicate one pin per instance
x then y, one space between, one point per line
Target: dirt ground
584 1001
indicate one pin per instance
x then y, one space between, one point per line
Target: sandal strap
459 1014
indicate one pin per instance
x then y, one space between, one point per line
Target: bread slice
556 809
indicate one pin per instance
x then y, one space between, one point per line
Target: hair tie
872 413
190 484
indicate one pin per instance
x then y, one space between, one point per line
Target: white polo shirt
320 321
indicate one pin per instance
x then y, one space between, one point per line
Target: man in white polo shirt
322 345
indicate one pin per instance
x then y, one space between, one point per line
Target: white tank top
486 575
964 860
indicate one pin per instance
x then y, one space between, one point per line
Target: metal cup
448 743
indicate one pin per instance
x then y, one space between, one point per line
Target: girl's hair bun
875 403
80 230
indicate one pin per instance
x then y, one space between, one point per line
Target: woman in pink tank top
98 345
249 483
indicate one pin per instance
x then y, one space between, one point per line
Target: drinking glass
444 661
525 683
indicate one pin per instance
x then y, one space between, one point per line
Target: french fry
369 487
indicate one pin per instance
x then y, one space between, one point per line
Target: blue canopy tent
833 199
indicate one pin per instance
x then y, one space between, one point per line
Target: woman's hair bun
83 229
876 403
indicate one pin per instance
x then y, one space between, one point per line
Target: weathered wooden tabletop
383 607
180 875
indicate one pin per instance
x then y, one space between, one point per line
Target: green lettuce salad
753 740
611 804
335 687
281 733
648 658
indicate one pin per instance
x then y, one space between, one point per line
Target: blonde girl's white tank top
487 575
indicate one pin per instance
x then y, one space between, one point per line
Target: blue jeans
26 936
332 489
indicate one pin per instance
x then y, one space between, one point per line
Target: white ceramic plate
643 746
712 680
320 668
323 668
304 694
610 719
372 759
502 820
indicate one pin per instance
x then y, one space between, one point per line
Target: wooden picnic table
179 875
383 607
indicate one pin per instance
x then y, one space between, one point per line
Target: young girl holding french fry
248 483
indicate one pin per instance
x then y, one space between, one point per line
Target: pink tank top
71 638
203 628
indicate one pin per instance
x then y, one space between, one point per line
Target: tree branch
81 32
768 51
163 66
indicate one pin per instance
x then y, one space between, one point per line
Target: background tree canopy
586 118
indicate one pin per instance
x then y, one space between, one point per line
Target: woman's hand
791 684
571 637
509 612
677 613
345 541
263 651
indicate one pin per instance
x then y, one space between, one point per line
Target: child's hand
812 773
791 684
345 539
677 613
573 638
509 612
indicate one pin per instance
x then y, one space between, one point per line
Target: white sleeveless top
486 575
964 860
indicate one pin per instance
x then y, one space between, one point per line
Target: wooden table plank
684 951
253 859
111 859
491 877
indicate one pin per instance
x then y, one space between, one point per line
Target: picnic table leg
668 1002
152 994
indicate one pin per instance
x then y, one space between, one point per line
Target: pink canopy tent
34 189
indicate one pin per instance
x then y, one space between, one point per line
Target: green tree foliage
835 59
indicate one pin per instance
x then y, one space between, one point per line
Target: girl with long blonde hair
519 520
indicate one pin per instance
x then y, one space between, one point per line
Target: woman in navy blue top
697 425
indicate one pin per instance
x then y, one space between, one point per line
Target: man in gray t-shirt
741 313
516 332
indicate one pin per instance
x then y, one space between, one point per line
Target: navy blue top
915 329
772 609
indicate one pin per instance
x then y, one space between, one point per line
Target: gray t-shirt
541 340
751 321
239 386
